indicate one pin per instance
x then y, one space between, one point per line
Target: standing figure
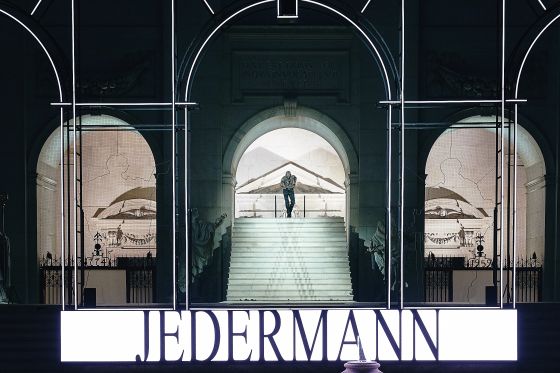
288 184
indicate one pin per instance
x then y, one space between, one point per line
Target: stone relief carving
202 249
377 250
124 76
449 76
128 72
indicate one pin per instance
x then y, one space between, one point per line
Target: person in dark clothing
288 184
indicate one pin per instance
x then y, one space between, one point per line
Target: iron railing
140 274
439 273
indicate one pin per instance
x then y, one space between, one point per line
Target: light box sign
288 335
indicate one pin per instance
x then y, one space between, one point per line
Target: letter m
300 329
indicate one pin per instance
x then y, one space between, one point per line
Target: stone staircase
289 260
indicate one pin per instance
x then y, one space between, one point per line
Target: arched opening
313 148
460 202
280 73
117 196
320 175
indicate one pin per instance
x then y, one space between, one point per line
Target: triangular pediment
309 182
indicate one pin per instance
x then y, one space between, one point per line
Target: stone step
247 243
291 251
279 264
292 298
291 230
344 289
268 255
290 235
286 261
318 277
321 269
286 281
287 240
320 249
292 292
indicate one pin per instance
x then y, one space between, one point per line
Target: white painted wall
113 163
290 144
464 161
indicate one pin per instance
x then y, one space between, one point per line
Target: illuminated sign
289 335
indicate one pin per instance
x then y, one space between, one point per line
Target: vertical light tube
514 224
502 134
401 217
388 244
173 150
187 222
62 221
75 183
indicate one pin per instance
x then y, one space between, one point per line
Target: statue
202 246
4 268
4 256
377 250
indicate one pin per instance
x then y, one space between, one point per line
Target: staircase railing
278 210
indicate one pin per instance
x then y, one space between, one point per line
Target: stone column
352 199
228 199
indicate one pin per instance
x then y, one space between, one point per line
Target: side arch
119 181
460 168
524 48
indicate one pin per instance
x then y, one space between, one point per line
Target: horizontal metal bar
124 126
444 102
429 125
109 129
131 104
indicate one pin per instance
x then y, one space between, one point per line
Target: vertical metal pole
173 150
508 212
503 104
275 206
304 206
401 210
388 244
75 184
68 247
80 213
62 220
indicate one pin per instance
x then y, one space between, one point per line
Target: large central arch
373 41
311 120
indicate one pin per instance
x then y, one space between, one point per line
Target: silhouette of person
288 184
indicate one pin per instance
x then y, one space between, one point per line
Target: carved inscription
300 73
